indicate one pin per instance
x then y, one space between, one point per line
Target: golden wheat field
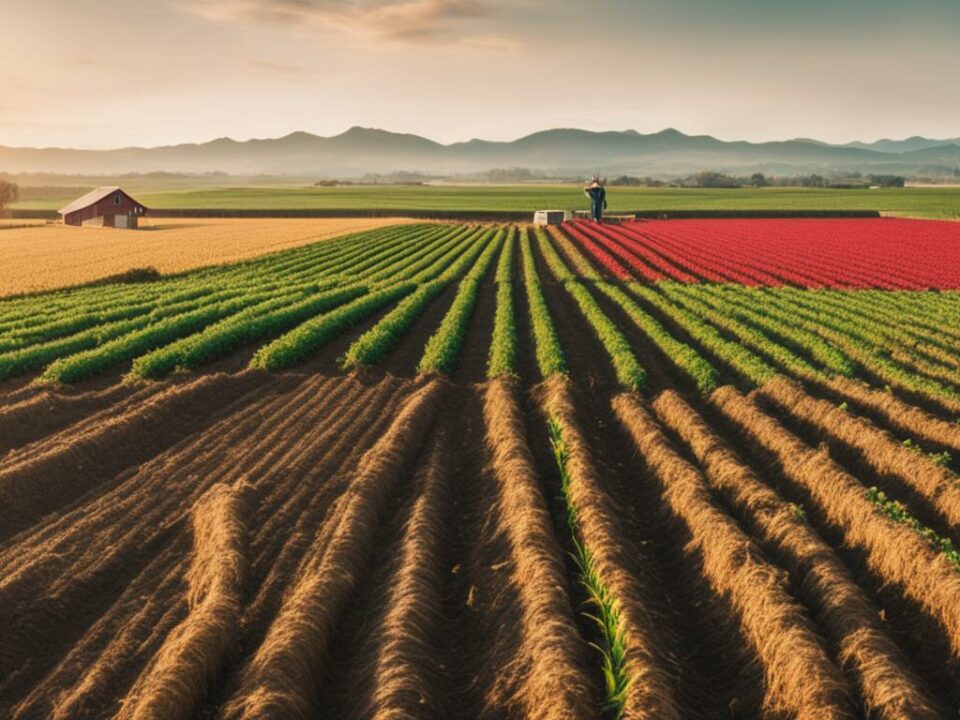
52 256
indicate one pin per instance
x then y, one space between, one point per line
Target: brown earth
388 545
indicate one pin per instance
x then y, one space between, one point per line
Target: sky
115 73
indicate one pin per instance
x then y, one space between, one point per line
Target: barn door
120 221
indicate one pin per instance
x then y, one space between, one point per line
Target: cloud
412 21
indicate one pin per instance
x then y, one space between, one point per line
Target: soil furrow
906 564
281 679
801 681
909 474
888 687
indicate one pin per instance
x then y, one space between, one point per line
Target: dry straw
887 686
282 679
901 415
801 681
894 552
403 684
175 684
554 685
651 693
881 452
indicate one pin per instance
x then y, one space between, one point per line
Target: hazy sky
120 72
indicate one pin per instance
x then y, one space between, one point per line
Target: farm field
670 469
50 256
943 202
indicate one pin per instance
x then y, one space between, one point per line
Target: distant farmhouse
104 207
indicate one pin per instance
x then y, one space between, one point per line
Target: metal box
550 217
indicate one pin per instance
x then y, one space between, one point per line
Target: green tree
9 193
887 180
813 181
759 180
712 179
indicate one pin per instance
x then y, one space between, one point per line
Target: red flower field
837 253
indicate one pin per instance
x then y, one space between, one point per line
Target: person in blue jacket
598 198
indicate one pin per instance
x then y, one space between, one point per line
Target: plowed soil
382 544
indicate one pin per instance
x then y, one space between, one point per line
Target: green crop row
504 272
876 361
687 360
389 255
443 347
418 256
435 265
502 359
74 322
744 362
583 267
751 337
371 347
813 312
629 372
454 263
313 260
116 295
267 319
783 331
885 338
126 347
50 314
550 358
184 335
24 360
309 337
907 314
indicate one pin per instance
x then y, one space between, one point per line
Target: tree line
715 179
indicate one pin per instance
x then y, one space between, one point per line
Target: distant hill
563 151
900 146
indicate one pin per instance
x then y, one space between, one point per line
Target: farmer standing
598 198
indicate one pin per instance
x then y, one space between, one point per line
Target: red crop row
840 253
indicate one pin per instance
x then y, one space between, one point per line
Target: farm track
383 543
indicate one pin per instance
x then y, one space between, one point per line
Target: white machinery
551 217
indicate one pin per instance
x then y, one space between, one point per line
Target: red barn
104 207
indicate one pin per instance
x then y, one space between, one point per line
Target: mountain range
558 152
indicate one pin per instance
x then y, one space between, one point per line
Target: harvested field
442 471
52 256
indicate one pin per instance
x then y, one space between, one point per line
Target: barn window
116 199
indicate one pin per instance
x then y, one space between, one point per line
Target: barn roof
91 198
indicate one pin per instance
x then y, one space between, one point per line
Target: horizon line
807 139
